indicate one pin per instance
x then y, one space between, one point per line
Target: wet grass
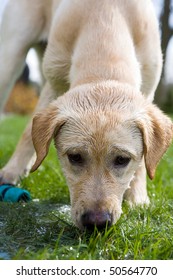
42 229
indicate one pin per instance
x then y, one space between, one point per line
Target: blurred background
26 91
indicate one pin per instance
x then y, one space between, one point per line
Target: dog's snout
100 219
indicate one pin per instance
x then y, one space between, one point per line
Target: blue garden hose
10 193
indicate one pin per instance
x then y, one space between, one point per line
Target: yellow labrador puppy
106 55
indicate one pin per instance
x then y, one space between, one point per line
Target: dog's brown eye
75 159
121 161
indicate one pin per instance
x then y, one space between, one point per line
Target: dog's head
101 133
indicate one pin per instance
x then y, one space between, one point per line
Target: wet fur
108 63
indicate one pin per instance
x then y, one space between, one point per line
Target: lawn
42 229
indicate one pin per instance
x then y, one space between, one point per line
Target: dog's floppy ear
157 131
44 125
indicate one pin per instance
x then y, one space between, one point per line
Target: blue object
10 193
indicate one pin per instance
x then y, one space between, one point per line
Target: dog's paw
136 198
8 177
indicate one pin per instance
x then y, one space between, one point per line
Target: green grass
42 229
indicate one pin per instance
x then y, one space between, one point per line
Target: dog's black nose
99 219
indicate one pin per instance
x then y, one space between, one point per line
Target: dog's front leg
19 163
137 192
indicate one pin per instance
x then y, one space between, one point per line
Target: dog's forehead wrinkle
98 144
123 149
76 148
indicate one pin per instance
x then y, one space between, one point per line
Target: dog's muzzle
99 219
